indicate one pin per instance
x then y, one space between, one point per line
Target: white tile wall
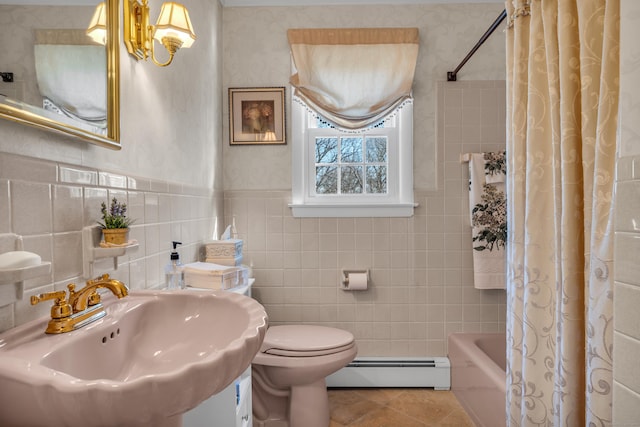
626 297
421 267
626 340
627 293
48 203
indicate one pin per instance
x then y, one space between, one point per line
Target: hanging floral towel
487 202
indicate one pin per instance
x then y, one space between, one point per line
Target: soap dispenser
174 274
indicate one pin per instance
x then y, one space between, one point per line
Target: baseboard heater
431 372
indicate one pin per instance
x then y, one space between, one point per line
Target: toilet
289 371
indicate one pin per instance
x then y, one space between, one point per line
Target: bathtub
478 379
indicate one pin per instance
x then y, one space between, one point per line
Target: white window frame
398 202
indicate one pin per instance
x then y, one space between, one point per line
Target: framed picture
256 116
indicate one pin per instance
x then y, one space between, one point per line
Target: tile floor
396 407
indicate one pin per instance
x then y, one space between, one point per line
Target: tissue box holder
224 252
214 276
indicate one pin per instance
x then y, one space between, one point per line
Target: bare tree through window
354 164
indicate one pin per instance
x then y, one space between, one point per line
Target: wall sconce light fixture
173 29
97 29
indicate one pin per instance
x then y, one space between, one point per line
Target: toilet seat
305 341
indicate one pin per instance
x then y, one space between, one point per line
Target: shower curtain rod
452 75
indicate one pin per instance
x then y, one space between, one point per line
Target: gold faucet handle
98 279
58 295
60 308
94 298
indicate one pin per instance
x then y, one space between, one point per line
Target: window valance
356 76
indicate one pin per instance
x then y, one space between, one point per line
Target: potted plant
115 223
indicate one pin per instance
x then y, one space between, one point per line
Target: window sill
351 211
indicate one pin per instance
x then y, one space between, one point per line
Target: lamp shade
174 22
97 29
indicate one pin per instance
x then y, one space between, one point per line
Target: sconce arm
172 45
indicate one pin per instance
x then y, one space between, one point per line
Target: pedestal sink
155 355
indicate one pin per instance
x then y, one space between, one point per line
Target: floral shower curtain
562 99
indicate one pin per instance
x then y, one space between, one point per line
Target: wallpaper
257 54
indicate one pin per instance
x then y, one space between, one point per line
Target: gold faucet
88 296
83 306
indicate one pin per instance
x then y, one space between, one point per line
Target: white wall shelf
92 251
17 276
13 275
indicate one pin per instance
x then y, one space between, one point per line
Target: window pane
377 149
351 179
326 180
351 150
376 179
326 150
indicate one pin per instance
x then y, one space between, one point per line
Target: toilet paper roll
357 282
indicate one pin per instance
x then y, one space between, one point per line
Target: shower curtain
562 100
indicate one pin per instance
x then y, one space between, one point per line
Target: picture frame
257 116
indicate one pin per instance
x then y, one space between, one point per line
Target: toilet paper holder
344 281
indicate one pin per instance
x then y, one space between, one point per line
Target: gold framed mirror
62 79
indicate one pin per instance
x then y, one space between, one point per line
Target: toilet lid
305 340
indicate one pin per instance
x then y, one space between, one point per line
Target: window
347 173
352 121
350 163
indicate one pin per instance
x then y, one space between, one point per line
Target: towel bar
464 158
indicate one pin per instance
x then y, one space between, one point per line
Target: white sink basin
155 355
